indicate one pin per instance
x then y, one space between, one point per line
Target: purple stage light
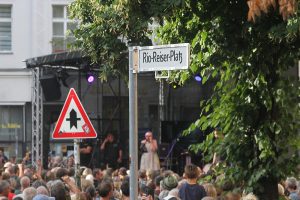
198 78
90 78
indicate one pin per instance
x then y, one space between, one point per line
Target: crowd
20 180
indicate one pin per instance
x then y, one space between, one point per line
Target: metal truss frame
37 117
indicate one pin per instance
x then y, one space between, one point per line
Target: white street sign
164 57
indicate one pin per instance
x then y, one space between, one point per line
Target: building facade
27 29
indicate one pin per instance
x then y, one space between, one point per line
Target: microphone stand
171 151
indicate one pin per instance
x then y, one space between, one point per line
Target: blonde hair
210 190
249 197
280 189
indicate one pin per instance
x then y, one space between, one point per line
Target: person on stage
112 152
149 159
86 149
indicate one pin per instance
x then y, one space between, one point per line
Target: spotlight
90 77
198 78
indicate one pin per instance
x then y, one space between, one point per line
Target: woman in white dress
149 159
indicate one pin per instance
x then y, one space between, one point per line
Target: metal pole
161 108
76 141
133 127
77 162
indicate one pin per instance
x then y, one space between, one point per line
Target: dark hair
125 188
157 180
122 171
39 183
104 188
58 190
90 192
95 171
142 174
71 171
191 171
61 172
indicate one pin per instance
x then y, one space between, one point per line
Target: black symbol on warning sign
73 119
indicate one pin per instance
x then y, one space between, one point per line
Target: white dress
149 159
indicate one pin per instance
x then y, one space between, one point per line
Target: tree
107 27
254 102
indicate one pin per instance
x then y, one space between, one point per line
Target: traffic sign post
143 59
74 123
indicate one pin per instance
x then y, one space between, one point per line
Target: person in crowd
59 191
112 152
172 195
142 176
86 150
98 175
105 190
4 188
149 159
236 196
208 198
281 193
291 186
249 197
25 183
210 190
167 184
191 190
42 190
29 193
125 190
122 173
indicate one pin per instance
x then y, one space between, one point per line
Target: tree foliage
254 102
107 27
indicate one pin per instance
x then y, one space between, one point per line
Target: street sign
73 122
163 57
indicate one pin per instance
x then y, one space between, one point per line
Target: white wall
15 86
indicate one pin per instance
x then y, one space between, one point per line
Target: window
62 28
5 28
11 129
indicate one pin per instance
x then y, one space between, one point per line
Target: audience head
210 190
125 188
58 190
291 184
105 189
169 182
29 193
4 188
42 190
191 171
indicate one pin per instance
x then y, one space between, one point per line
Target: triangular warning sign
73 122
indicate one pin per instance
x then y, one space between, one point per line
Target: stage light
90 78
198 78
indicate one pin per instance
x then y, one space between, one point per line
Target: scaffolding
37 117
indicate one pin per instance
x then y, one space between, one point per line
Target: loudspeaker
50 87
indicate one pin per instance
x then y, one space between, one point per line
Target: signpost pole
77 162
76 142
133 124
